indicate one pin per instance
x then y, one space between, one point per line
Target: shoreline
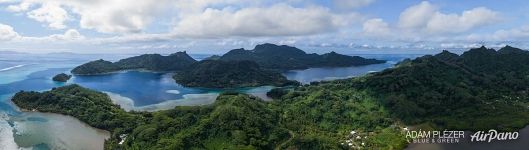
62 131
68 116
120 71
26 112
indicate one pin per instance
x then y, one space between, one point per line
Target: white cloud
243 23
50 13
424 22
287 42
426 17
107 16
7 33
376 27
259 21
191 18
8 1
453 23
69 35
417 15
512 35
20 7
351 4
119 16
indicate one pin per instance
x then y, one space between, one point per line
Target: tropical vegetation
480 89
229 74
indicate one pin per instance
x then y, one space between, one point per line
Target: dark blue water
144 88
147 88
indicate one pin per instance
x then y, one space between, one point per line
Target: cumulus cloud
191 18
107 16
426 17
351 4
118 16
69 35
259 21
515 34
50 13
243 23
417 16
376 27
8 1
425 22
512 34
454 23
23 6
7 33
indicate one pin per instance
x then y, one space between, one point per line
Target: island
229 74
283 57
151 62
62 77
480 89
267 56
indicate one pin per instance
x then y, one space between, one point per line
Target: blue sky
216 26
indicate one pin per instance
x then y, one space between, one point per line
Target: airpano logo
492 135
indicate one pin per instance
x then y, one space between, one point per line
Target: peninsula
152 62
229 74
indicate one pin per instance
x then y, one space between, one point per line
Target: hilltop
152 62
267 56
480 89
229 74
283 57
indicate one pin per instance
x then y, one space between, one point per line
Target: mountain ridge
268 56
283 57
152 62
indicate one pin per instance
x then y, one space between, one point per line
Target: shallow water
145 88
56 131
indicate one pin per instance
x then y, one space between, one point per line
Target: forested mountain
480 89
233 121
153 62
284 57
268 56
313 117
95 67
229 74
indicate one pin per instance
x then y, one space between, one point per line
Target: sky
217 26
